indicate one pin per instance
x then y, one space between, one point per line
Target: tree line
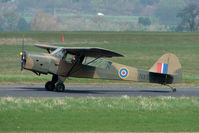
10 21
164 10
167 12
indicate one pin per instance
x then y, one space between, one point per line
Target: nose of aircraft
23 59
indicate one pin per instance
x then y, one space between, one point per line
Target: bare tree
190 17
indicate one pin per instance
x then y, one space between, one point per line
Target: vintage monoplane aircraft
85 62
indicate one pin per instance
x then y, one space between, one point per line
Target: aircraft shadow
115 91
32 88
94 91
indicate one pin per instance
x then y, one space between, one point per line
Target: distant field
141 50
124 114
28 17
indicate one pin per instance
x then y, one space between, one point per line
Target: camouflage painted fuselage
48 64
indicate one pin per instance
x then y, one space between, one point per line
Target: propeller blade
22 61
22 54
23 45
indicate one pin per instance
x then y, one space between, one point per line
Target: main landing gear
60 87
49 86
55 84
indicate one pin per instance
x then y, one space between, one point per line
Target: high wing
84 51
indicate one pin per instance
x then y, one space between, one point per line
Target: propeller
22 54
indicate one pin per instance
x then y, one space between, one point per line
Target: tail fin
166 70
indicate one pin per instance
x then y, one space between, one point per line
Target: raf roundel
123 72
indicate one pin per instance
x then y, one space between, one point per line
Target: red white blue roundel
123 72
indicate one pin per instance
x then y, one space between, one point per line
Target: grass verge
141 49
124 114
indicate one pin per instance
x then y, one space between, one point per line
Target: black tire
50 86
60 87
174 90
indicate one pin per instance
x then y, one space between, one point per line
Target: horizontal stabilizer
160 78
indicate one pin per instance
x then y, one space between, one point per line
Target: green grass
141 49
124 114
42 79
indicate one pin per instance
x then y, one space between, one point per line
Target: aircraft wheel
60 87
174 90
50 86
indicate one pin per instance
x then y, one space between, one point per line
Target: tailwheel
50 86
60 87
172 88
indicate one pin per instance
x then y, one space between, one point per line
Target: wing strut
48 50
78 60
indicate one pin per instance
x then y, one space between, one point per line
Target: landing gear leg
50 85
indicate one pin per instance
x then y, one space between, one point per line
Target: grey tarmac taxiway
95 90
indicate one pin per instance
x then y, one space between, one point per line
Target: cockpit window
100 63
70 58
63 55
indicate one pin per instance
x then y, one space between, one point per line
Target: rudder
168 66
